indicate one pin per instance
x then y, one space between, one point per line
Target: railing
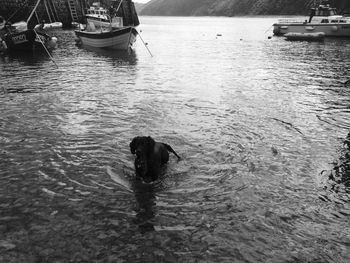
291 21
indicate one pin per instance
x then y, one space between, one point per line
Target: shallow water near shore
255 120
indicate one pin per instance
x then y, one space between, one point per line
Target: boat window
324 21
322 13
338 21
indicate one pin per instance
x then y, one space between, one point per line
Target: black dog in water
150 156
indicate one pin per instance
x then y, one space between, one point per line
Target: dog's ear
150 144
133 145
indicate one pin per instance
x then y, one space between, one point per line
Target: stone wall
58 11
19 10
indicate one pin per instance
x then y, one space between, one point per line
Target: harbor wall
48 10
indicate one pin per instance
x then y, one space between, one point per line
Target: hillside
139 7
233 7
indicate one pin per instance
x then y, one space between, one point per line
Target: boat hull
305 36
28 40
330 30
119 39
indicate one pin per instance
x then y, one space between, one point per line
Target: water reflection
34 58
117 57
242 113
146 202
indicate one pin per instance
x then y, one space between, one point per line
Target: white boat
53 25
101 17
118 38
323 18
110 35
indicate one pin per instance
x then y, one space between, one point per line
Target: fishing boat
322 18
119 33
19 38
119 38
101 17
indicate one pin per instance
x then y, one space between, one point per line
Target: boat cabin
97 11
325 14
324 10
101 17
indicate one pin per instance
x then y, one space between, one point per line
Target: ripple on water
254 120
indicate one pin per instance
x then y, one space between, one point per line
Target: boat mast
121 1
32 13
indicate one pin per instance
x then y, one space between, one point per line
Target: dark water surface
256 121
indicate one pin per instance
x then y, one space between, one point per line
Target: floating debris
274 150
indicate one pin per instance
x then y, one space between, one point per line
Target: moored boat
121 39
118 32
323 18
53 25
102 17
19 38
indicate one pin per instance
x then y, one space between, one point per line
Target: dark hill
233 7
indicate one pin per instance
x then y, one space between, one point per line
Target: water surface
256 121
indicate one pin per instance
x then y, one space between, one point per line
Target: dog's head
142 147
